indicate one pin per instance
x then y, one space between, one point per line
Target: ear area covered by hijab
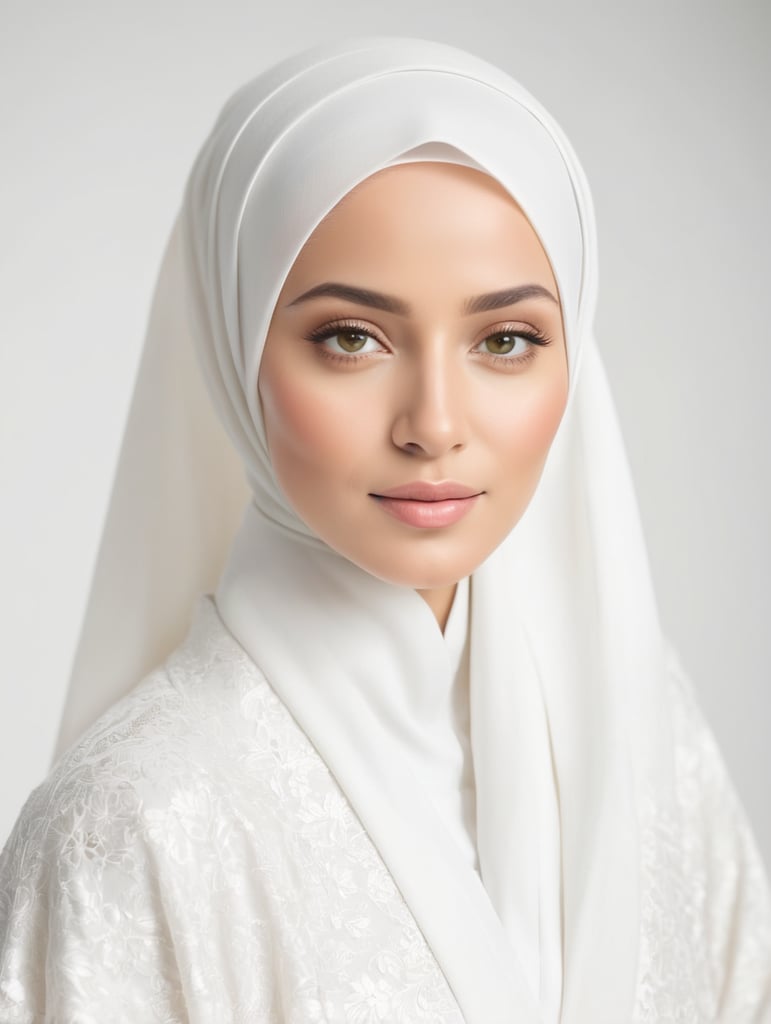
567 669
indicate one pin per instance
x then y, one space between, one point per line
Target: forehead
440 213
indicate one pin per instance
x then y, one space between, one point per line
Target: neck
439 600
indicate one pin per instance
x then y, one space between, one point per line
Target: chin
419 576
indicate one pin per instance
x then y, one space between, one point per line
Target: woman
424 754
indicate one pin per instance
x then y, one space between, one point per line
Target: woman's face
415 373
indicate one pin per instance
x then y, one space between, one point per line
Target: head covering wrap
567 663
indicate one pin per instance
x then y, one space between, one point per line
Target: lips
428 505
424 490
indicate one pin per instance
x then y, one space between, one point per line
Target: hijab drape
566 655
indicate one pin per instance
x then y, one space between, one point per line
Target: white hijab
568 730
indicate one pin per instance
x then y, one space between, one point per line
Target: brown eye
346 341
341 340
351 341
504 344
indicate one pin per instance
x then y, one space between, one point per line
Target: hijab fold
566 666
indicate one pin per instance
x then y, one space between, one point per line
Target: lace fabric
192 859
705 943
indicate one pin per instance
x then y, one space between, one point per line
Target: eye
345 340
351 341
508 344
511 344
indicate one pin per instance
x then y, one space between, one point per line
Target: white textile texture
192 859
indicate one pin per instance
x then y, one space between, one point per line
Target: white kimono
192 859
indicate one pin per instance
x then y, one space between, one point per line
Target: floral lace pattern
191 859
705 942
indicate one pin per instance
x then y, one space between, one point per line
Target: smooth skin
359 400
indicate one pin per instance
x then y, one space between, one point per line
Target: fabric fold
378 743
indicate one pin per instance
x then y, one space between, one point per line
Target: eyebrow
390 304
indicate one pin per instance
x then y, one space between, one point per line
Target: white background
102 108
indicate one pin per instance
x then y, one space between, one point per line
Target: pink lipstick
428 505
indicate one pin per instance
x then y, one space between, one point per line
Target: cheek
312 431
521 428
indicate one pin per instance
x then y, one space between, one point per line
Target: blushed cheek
311 431
532 423
294 417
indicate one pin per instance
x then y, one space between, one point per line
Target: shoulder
201 705
78 838
143 818
706 892
182 727
198 734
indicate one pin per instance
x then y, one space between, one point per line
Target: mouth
428 505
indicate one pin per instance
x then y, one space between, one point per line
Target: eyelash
329 330
533 336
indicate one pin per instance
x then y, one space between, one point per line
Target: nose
431 412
